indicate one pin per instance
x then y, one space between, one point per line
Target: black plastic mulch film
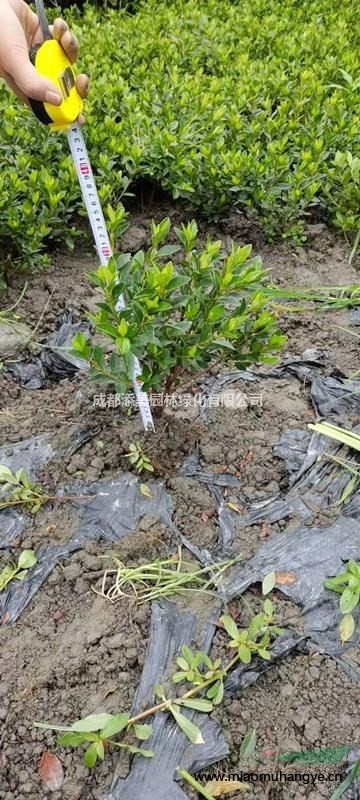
310 554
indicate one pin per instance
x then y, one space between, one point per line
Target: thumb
28 80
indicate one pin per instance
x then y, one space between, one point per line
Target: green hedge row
254 103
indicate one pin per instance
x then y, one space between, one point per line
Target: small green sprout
348 585
19 489
138 458
256 638
19 571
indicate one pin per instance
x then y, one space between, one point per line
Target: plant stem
186 696
44 499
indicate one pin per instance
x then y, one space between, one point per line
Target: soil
72 653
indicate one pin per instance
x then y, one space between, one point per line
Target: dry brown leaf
222 788
285 578
51 772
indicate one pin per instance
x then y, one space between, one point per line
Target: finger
59 28
82 85
67 40
70 44
28 80
14 88
81 119
14 58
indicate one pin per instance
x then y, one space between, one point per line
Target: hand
19 31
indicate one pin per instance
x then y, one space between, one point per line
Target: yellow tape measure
50 61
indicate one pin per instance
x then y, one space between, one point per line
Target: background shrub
254 103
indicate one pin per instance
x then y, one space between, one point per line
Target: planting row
218 102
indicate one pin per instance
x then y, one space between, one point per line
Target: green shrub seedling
179 317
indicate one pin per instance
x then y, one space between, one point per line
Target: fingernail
54 98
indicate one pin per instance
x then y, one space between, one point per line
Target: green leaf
27 559
198 705
188 655
216 693
145 491
248 745
168 250
219 694
48 726
123 346
75 739
191 731
336 582
268 607
348 490
256 624
123 327
340 790
244 654
92 723
178 677
22 477
6 576
159 691
348 600
160 232
115 725
100 751
264 654
6 476
21 575
199 788
79 342
230 627
142 732
182 663
346 627
268 583
91 755
138 751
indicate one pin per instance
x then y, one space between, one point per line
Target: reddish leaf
285 578
51 772
6 618
204 517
